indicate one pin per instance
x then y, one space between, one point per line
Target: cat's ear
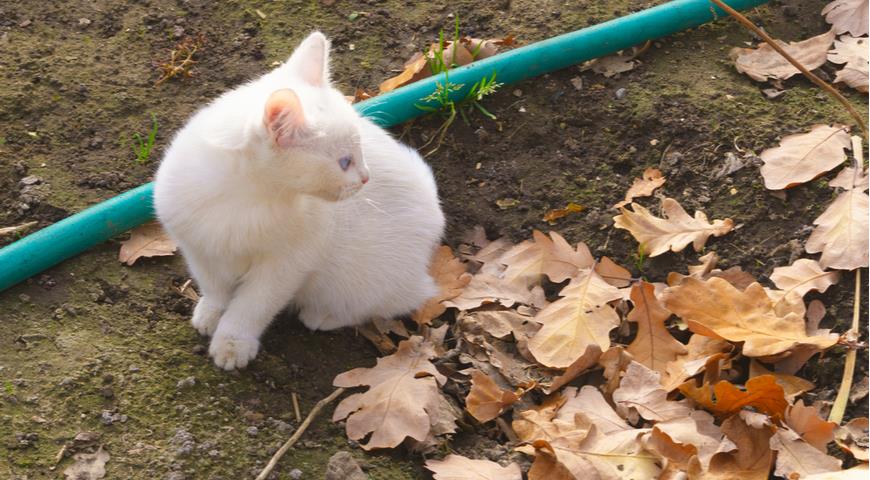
310 60
283 117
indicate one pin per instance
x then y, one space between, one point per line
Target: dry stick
298 433
839 406
295 400
813 78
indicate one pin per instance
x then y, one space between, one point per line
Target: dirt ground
95 346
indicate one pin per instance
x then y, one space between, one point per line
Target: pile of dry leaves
594 374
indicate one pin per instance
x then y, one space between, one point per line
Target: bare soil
93 345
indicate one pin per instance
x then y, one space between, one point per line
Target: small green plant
142 146
639 258
443 91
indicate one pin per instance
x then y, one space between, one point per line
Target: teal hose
103 221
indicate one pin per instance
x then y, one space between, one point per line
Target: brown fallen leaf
841 232
552 256
582 364
88 466
798 459
147 240
724 399
802 157
673 233
679 439
859 472
486 289
611 65
486 401
643 187
700 350
583 438
716 309
450 276
640 393
849 178
457 467
847 16
852 437
752 459
653 346
552 215
806 422
791 384
402 400
854 53
415 68
580 319
764 63
802 277
613 273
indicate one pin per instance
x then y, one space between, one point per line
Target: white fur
265 216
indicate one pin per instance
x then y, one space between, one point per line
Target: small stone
342 466
214 453
198 349
252 431
295 474
577 82
25 298
133 368
107 392
30 180
186 382
621 93
518 93
84 22
178 31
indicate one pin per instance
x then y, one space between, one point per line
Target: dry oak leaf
803 276
791 384
806 422
640 393
457 467
450 276
715 308
859 472
613 273
402 399
680 439
585 438
580 319
415 68
147 240
552 256
700 350
724 399
674 233
854 53
764 63
585 362
751 460
796 458
847 16
486 289
852 437
653 345
841 232
850 177
552 215
802 157
643 187
486 401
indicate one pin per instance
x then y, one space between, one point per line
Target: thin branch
298 433
838 409
810 75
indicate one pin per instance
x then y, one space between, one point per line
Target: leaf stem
839 406
810 75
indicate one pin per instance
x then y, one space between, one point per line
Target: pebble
29 180
295 474
198 349
25 298
108 418
84 22
518 93
133 368
186 382
252 431
621 93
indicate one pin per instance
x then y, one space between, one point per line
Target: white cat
279 192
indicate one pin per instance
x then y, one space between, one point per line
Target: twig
298 433
295 399
810 75
507 430
839 406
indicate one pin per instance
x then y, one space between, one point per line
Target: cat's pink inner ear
283 116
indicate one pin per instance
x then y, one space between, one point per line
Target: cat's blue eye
344 162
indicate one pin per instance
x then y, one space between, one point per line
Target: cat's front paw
205 317
231 352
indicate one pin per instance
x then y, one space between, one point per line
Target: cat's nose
365 179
